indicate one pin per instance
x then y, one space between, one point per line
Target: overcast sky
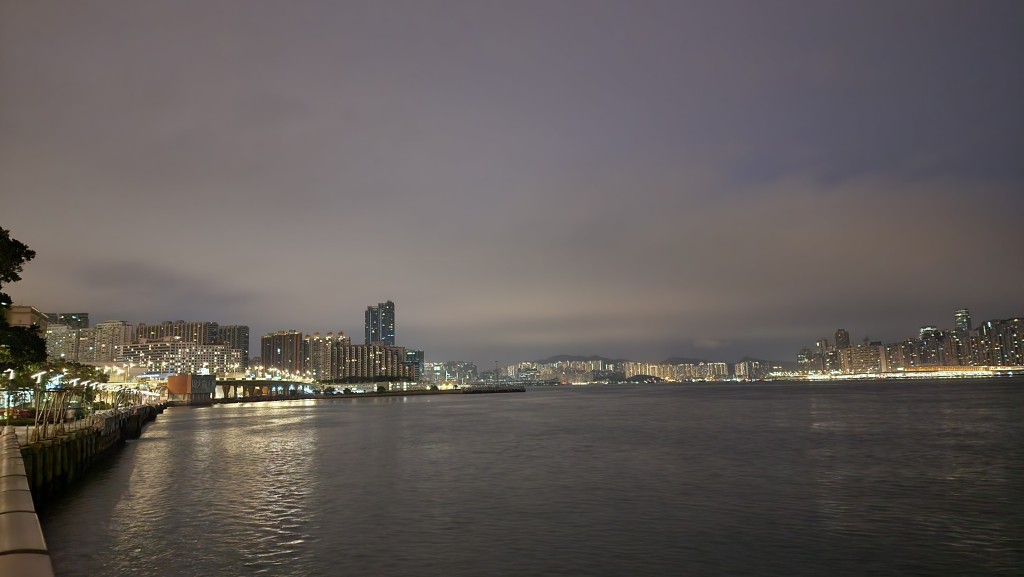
633 179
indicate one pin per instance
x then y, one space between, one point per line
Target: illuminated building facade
109 336
62 343
373 362
235 337
379 323
318 354
282 350
174 356
200 332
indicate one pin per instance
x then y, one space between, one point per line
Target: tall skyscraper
962 321
372 325
380 323
842 339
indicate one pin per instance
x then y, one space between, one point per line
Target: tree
19 346
13 254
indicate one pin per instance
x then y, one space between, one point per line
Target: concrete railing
23 551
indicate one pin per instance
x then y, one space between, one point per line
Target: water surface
910 478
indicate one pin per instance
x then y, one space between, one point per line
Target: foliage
13 254
20 347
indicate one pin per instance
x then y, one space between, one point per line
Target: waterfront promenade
38 462
23 551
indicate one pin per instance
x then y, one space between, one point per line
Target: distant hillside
564 358
785 365
684 361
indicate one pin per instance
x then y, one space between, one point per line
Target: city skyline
211 332
701 179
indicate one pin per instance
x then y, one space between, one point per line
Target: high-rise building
962 321
380 323
842 339
199 332
318 354
414 358
170 355
110 337
372 325
372 362
868 358
282 350
236 337
61 343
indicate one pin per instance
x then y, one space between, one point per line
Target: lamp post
10 383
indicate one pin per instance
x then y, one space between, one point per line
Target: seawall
23 551
54 463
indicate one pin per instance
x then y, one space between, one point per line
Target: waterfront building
379 323
372 362
171 355
283 351
414 358
751 369
454 372
842 339
191 388
1000 343
868 358
894 357
236 337
702 371
318 354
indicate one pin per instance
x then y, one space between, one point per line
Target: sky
637 179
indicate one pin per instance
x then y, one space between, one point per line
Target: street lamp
10 383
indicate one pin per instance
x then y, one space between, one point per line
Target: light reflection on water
847 479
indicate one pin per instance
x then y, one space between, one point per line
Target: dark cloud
522 179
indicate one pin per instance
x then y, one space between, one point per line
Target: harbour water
908 478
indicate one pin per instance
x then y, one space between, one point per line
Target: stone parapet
23 551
